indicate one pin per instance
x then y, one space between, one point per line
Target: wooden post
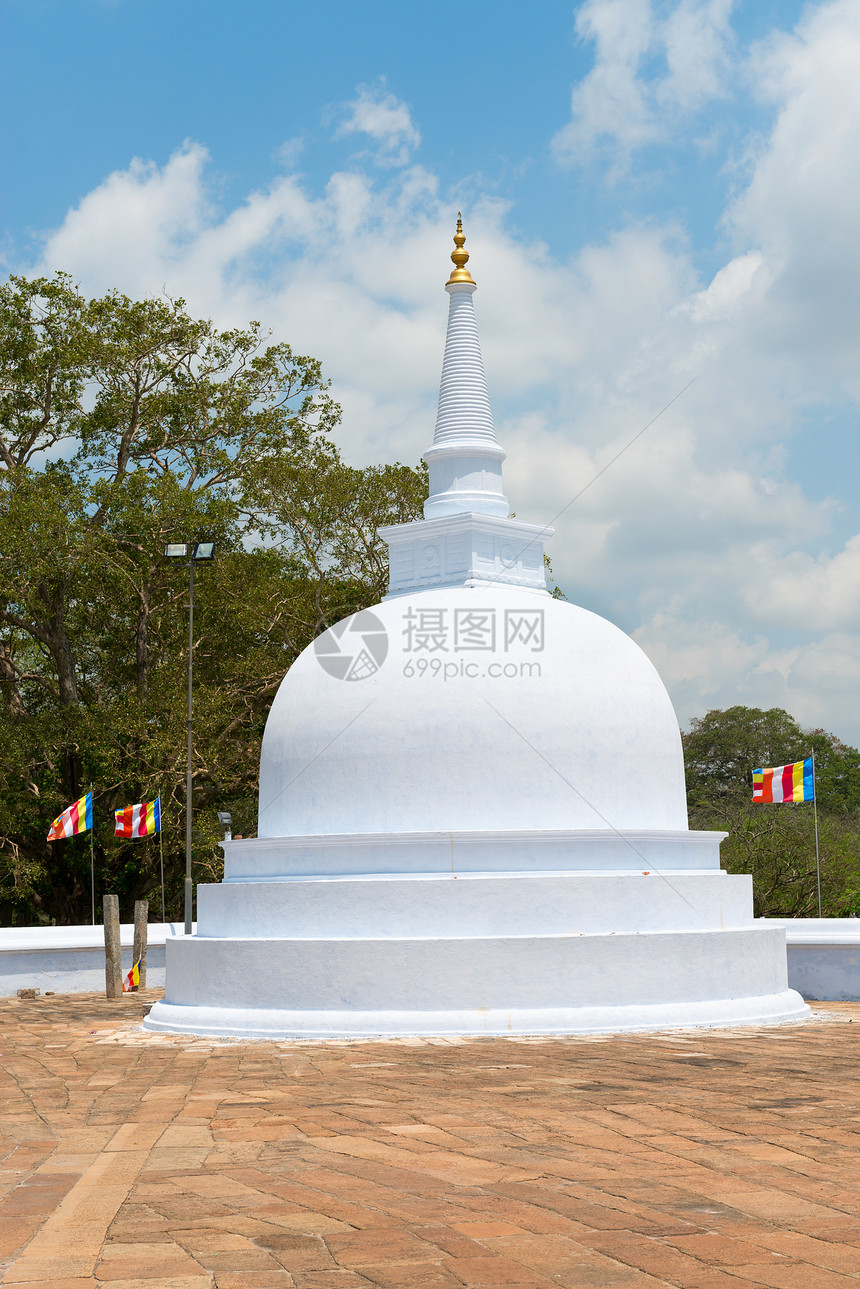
113 951
141 917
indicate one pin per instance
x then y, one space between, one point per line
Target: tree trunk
9 683
64 664
141 641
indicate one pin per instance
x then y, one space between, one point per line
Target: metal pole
161 864
815 816
188 887
92 868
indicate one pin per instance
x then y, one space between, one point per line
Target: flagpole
815 817
189 781
161 854
92 867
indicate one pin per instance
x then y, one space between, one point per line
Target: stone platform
719 1159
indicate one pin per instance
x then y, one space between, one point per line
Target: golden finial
460 256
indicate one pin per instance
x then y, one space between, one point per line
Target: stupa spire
465 460
466 537
460 256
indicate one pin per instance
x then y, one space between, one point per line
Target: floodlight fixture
225 819
189 550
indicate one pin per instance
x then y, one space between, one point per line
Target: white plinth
522 850
466 550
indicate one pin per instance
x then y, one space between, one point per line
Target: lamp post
192 551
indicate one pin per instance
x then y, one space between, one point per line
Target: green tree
123 425
776 843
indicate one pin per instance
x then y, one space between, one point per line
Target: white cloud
136 215
700 660
799 208
650 71
728 287
386 120
611 101
706 664
288 153
697 39
803 589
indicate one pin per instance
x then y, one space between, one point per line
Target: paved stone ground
702 1159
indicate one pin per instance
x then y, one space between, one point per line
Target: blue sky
105 80
653 190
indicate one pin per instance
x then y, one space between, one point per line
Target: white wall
71 959
824 958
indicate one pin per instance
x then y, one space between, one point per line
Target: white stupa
472 812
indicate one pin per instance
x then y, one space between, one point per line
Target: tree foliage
776 843
124 425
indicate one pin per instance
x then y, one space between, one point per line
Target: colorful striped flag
76 818
785 782
132 980
141 820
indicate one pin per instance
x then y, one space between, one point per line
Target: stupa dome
471 708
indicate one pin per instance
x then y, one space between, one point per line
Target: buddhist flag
132 980
141 820
785 782
76 818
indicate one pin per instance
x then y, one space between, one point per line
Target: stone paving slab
705 1159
